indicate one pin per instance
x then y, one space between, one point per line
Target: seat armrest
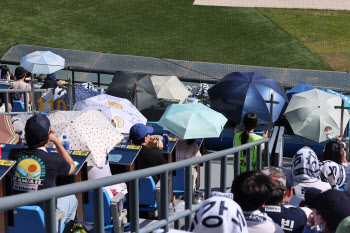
117 198
117 212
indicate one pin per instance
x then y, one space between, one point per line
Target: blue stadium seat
30 219
179 182
17 106
147 194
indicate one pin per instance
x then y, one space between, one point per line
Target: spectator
329 207
20 74
250 122
251 190
221 214
344 226
36 169
291 219
332 170
147 157
306 174
6 73
186 149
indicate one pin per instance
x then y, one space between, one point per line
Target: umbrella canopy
7 133
193 121
89 131
311 114
169 87
124 85
124 113
78 93
345 97
42 62
301 87
237 94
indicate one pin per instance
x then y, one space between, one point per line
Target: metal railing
48 196
25 101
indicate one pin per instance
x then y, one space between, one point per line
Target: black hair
276 197
332 151
250 121
49 83
4 70
190 141
140 141
252 189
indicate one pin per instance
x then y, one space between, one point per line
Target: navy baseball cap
139 131
51 76
332 205
37 129
289 177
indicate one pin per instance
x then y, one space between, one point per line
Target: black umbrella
137 88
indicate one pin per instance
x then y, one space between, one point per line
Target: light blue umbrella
345 97
190 121
42 62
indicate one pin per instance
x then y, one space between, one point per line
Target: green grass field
180 30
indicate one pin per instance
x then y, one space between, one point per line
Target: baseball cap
276 174
139 131
289 177
331 204
344 226
51 76
20 71
37 129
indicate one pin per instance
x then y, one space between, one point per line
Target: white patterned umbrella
124 113
87 131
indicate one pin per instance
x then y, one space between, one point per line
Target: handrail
46 195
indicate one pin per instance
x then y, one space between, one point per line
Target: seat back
28 219
179 182
147 194
17 106
89 208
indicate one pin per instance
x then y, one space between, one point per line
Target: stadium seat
17 106
179 182
31 219
111 208
147 194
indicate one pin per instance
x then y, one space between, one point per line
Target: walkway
302 4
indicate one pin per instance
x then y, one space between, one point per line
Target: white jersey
259 222
332 173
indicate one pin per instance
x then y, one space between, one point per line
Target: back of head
219 213
279 178
252 189
250 121
4 70
37 130
305 166
332 151
20 72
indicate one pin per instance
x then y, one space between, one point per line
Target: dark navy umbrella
301 87
240 93
78 93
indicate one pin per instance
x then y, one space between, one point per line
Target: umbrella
88 131
169 87
124 113
237 94
301 87
312 114
192 121
345 97
42 62
137 88
78 93
7 133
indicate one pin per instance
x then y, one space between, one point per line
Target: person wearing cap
251 190
147 157
36 169
329 207
20 74
291 219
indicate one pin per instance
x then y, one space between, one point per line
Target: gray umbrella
137 88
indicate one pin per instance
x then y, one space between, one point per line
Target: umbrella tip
251 77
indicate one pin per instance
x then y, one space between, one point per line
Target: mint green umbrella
193 121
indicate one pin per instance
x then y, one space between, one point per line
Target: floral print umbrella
87 131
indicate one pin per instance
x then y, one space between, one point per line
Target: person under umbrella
250 122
